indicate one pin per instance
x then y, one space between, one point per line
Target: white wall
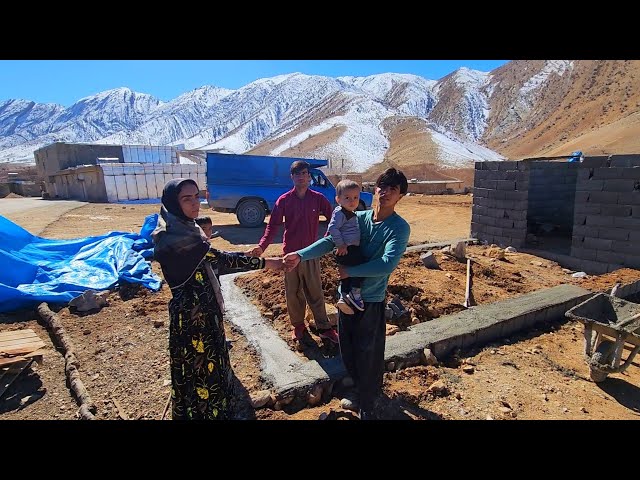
142 181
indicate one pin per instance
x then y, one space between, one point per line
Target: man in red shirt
302 208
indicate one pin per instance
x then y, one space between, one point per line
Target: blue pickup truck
249 185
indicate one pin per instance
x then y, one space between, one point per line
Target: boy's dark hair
204 221
344 185
298 166
393 178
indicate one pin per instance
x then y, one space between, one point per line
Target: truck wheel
601 357
361 206
250 213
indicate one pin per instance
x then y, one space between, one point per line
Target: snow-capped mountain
467 115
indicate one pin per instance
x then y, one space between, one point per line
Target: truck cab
249 185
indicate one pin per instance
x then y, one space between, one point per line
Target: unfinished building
585 215
113 173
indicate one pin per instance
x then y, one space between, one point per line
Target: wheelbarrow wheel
600 357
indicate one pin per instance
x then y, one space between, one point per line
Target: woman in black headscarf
201 375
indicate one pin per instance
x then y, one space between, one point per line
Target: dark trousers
362 339
353 257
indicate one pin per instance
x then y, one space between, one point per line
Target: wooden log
60 338
166 407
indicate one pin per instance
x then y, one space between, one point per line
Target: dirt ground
123 348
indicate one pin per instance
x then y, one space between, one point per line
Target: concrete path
35 214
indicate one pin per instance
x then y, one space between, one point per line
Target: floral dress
201 375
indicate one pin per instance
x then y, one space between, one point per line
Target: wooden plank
469 301
11 374
36 355
18 341
21 349
27 332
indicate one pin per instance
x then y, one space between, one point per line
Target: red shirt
300 217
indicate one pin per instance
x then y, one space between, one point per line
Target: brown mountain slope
586 108
411 150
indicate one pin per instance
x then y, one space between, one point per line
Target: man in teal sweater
383 239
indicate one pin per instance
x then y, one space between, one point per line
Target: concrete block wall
500 198
552 189
606 229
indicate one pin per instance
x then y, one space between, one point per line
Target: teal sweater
382 243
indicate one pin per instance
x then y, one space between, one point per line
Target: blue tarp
35 269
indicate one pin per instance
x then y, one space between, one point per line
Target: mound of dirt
429 294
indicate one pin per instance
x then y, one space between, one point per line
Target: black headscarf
180 244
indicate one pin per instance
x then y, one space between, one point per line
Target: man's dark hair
299 165
393 178
204 221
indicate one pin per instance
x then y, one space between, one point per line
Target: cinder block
477 229
496 213
492 165
590 185
616 211
485 237
625 161
633 172
614 234
592 267
619 185
632 261
518 214
479 165
505 223
598 243
629 198
625 247
480 201
516 195
588 208
609 257
583 197
610 198
582 230
516 175
496 194
584 174
520 224
599 221
584 253
631 223
480 193
608 173
488 184
612 267
479 209
634 237
507 165
487 220
595 161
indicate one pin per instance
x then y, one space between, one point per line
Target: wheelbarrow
611 325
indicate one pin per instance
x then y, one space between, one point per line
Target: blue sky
65 81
